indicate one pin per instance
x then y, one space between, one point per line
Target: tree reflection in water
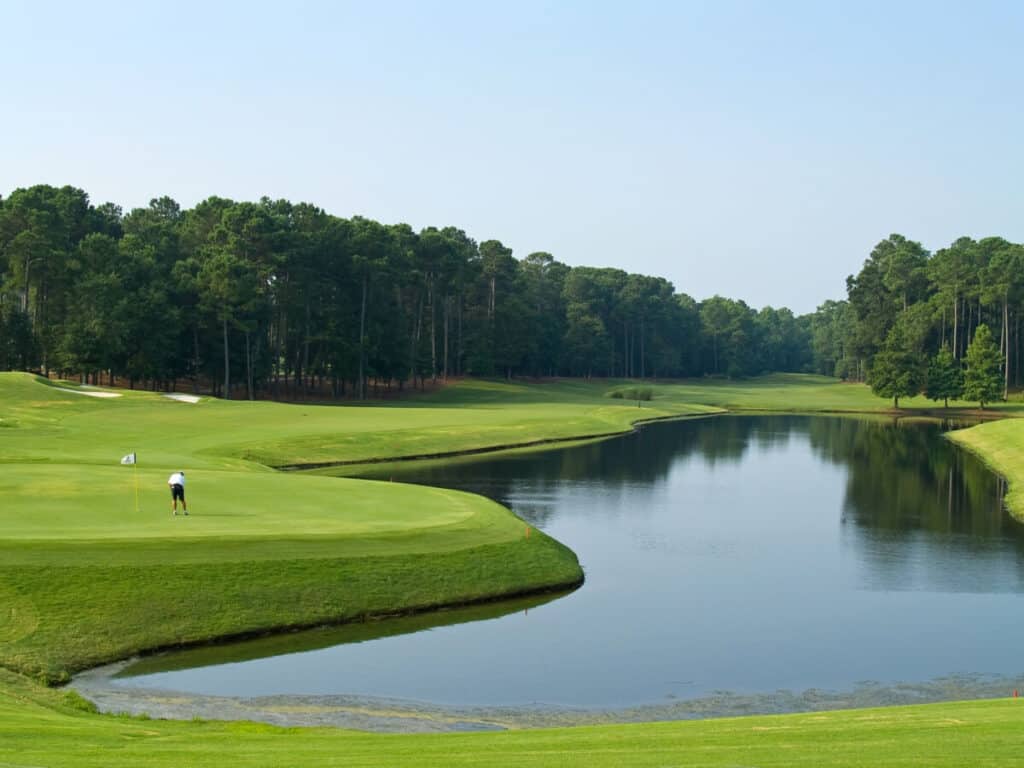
907 489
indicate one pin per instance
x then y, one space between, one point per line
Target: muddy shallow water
734 565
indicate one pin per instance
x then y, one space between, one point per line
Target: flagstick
135 472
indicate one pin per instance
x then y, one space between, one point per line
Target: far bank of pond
1000 445
734 564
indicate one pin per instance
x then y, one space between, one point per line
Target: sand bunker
89 394
182 398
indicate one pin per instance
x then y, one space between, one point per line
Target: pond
733 564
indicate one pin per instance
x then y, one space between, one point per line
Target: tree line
279 299
276 299
946 324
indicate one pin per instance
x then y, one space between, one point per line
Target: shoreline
929 413
1006 470
549 441
466 717
381 714
285 629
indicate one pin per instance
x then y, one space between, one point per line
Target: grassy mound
88 577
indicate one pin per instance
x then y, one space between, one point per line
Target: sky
756 150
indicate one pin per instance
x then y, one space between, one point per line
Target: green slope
1001 445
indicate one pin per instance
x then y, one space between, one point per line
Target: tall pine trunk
227 361
461 350
195 358
1006 346
433 331
28 283
643 349
248 367
414 339
1016 349
447 307
362 345
956 323
305 353
625 351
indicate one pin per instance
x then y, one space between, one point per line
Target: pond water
749 555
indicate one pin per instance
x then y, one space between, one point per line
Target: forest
274 299
946 324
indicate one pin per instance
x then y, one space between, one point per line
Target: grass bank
1001 445
40 727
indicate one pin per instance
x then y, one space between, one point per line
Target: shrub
75 700
632 393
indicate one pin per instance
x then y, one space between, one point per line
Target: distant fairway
85 578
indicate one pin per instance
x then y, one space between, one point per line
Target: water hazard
756 559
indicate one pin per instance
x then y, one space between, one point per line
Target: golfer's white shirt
176 479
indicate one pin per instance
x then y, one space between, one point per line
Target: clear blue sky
757 150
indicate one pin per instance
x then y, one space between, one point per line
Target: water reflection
305 641
747 554
902 477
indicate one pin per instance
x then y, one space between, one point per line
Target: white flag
129 459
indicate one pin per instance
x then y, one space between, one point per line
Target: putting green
63 502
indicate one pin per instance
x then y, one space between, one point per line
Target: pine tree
945 378
983 380
898 370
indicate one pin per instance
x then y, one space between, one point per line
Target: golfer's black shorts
177 492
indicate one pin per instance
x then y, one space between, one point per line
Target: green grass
1001 445
39 727
85 578
62 618
49 425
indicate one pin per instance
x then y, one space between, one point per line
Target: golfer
177 484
